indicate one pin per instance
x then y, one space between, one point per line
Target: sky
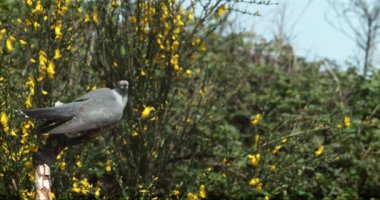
309 32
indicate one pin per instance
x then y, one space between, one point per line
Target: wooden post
42 181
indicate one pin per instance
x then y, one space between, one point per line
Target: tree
361 23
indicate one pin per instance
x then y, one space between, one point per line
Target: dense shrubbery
207 118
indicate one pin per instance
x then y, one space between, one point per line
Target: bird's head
122 87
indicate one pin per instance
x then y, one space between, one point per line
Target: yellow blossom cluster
25 131
84 187
319 151
4 122
201 193
176 193
38 8
46 67
257 119
167 38
108 165
27 194
9 43
146 112
254 160
256 182
61 7
11 154
198 42
31 86
347 121
276 149
221 10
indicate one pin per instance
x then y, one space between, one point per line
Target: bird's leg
88 135
48 153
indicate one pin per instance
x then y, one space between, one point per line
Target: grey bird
90 115
95 110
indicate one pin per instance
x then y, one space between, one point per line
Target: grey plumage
94 110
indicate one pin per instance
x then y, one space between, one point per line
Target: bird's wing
98 93
100 109
63 112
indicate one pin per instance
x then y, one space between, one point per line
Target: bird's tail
51 113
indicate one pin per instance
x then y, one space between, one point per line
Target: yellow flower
175 46
57 30
97 192
188 73
132 19
3 32
202 191
176 193
257 119
190 15
146 112
202 92
29 2
52 195
22 42
196 41
13 134
284 140
276 149
4 121
76 188
42 57
254 181
95 17
79 164
28 101
221 10
273 167
319 151
135 134
259 186
339 126
143 191
62 166
9 44
57 54
36 25
257 140
254 159
38 9
44 92
347 121
191 196
108 165
51 70
203 47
